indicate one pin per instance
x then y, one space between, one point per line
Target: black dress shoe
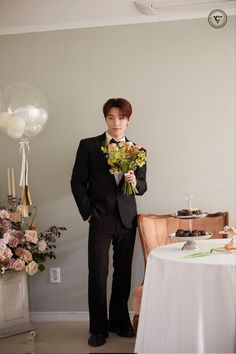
97 339
126 331
112 328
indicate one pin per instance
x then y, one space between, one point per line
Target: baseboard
59 316
81 316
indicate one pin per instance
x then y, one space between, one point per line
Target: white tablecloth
188 305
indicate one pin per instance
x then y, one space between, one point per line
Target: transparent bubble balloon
23 110
32 129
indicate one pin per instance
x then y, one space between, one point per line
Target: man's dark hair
121 103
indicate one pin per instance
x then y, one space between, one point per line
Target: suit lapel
100 141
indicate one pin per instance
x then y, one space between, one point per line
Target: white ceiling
22 16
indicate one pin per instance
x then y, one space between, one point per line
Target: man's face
116 123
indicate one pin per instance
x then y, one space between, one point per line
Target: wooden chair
154 230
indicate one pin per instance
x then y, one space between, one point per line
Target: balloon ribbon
25 197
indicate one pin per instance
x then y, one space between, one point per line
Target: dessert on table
190 235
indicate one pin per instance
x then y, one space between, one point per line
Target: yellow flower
123 157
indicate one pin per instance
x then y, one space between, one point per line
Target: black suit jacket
94 187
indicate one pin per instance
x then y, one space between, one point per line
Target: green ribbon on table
199 254
204 254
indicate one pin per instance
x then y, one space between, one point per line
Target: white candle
8 181
13 183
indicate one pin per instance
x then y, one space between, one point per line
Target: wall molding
165 13
80 316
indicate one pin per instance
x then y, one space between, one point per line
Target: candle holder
12 202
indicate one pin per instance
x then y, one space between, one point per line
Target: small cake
179 233
188 233
196 211
183 212
189 212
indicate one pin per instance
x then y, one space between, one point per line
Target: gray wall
180 78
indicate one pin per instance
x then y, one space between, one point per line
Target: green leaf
199 254
41 267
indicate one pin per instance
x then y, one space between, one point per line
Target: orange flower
229 246
15 217
32 226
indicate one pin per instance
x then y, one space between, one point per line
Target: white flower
42 245
4 214
31 236
6 237
31 268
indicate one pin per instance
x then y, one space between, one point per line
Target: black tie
113 141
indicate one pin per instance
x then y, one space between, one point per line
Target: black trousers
102 233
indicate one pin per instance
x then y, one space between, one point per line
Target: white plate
203 215
187 238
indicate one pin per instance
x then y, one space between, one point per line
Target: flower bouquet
123 157
22 246
230 231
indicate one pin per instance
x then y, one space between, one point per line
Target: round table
188 304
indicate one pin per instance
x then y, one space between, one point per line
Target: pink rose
5 254
18 265
9 263
31 236
23 254
6 225
42 245
17 234
31 268
26 256
2 244
4 214
19 251
13 242
6 237
113 146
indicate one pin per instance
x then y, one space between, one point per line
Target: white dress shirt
117 176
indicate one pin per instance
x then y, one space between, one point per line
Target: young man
112 219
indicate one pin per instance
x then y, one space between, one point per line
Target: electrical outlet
55 275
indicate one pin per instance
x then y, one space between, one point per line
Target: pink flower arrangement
22 246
